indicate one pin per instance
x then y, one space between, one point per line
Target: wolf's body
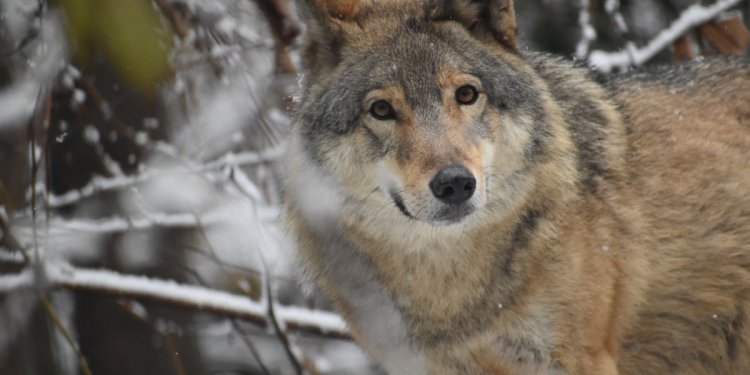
606 229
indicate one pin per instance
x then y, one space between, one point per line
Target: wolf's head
417 110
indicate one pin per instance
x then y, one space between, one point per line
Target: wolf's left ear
491 21
328 24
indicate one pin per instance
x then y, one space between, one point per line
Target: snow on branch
117 224
691 17
187 296
588 33
155 220
98 184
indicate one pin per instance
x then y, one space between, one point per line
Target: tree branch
299 319
98 185
691 17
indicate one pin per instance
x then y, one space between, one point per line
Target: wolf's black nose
453 185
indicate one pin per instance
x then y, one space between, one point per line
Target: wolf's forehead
413 62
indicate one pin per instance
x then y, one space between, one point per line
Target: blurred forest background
140 146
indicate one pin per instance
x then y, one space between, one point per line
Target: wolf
471 207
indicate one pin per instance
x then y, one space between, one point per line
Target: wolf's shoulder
709 73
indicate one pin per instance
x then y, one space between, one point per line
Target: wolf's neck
448 287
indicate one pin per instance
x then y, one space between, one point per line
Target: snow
141 138
61 137
79 97
143 286
326 321
247 186
17 103
23 279
151 123
91 134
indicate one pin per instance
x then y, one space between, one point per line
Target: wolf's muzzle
453 185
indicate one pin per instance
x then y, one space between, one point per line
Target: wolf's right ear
490 21
328 23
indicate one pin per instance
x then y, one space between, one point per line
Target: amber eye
466 95
382 110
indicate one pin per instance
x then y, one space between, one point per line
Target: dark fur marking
672 365
413 25
525 350
585 123
376 141
733 334
521 237
400 204
673 317
591 150
536 150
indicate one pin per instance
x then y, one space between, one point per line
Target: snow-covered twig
154 220
612 7
190 296
99 184
691 17
588 33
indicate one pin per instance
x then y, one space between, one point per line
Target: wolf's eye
466 95
382 110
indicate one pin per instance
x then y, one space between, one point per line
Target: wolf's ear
491 21
328 22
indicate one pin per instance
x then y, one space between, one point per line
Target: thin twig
82 363
173 353
283 338
39 279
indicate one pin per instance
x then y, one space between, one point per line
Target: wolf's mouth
450 214
453 214
400 204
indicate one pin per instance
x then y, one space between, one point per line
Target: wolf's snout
453 185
